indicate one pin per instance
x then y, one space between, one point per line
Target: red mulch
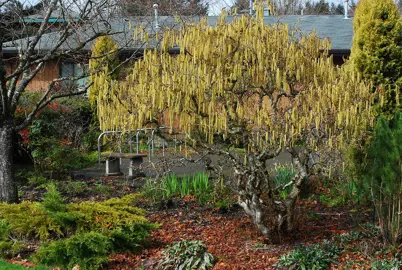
232 237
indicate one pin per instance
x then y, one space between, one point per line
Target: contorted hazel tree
24 56
250 83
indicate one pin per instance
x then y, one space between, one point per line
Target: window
71 69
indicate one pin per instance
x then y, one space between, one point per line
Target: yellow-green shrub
107 215
88 250
105 59
376 52
8 248
115 223
29 220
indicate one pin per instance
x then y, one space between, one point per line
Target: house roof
57 16
334 27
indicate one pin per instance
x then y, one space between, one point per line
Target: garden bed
228 233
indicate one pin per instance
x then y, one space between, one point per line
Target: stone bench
113 163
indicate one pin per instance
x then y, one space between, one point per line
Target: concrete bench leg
113 167
134 168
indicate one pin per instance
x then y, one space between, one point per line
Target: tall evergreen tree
337 9
377 56
312 8
166 7
322 7
376 51
382 176
105 57
241 5
11 14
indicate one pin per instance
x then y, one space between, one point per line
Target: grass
10 266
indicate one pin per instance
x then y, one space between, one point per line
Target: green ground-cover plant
73 188
186 255
28 220
54 156
32 178
315 256
366 230
388 264
102 190
114 221
321 255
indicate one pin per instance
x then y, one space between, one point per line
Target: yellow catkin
231 75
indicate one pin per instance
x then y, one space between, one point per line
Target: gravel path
160 163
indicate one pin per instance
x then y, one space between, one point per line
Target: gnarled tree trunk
8 188
258 196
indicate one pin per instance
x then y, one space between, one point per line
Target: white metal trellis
137 132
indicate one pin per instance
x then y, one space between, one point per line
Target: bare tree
166 7
24 55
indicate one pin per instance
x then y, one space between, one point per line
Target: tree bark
8 188
259 197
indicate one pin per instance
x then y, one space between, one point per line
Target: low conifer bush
88 250
85 233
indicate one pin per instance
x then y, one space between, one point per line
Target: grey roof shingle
334 27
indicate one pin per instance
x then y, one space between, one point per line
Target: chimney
155 6
251 7
346 8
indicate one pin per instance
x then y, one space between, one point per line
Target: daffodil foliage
242 81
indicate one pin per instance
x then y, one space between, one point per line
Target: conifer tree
241 5
382 176
105 57
377 56
376 52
